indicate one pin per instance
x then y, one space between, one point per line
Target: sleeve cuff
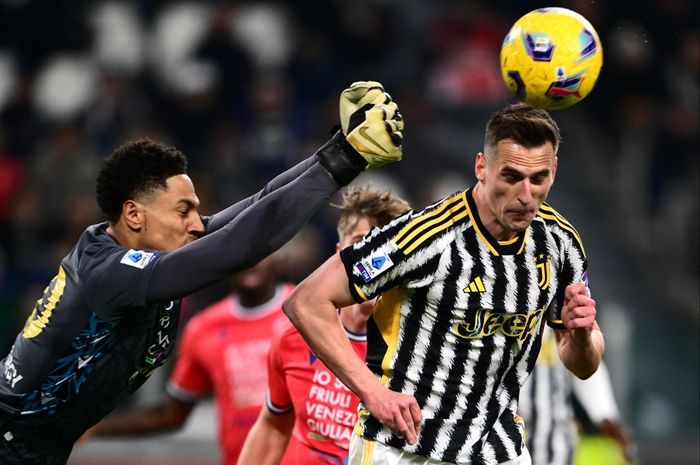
182 394
556 324
355 290
276 409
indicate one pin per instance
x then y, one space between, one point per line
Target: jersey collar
511 247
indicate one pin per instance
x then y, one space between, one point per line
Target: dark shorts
25 441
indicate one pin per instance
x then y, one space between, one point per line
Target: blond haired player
308 412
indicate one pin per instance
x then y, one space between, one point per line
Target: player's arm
596 397
268 223
312 309
252 235
581 343
268 439
347 153
169 415
222 218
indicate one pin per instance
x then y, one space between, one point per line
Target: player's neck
252 298
488 218
123 235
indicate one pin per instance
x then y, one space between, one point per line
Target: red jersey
325 410
224 348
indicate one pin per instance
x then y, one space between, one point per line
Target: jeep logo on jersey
370 268
137 258
487 322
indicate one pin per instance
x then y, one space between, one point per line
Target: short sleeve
190 379
377 263
278 399
115 278
573 269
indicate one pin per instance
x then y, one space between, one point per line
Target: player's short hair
526 125
134 169
378 206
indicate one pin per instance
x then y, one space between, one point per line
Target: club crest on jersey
137 258
543 270
371 267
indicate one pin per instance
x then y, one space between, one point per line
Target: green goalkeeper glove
376 134
358 95
370 135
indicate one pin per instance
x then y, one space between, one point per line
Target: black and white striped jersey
545 405
459 320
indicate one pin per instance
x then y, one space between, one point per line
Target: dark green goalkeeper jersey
110 315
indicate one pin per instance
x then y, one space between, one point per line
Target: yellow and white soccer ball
551 58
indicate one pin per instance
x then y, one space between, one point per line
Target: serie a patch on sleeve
374 265
137 258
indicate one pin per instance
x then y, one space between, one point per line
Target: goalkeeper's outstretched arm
370 136
278 212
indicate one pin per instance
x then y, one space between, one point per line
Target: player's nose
525 192
196 227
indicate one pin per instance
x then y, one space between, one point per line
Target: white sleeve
596 395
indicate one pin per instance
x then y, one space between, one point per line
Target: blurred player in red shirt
308 412
223 350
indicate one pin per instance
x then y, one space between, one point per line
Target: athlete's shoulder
287 289
214 314
94 245
291 336
288 339
433 221
285 346
557 224
456 199
97 253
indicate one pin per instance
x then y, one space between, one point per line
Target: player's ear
480 167
337 247
133 215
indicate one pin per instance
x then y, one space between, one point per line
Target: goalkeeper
109 317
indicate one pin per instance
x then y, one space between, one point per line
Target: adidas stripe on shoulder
551 216
431 221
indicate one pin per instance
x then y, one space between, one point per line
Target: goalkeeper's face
515 181
168 219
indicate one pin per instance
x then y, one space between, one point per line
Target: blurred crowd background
246 89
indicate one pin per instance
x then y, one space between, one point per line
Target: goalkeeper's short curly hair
378 206
134 169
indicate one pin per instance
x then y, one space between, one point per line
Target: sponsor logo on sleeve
374 265
11 373
137 258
